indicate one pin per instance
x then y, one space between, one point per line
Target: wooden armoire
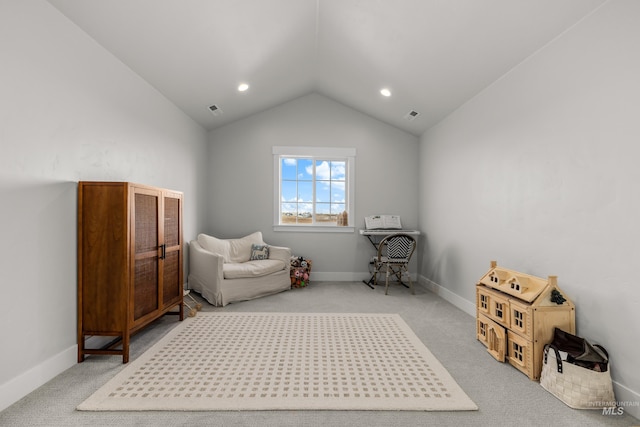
129 262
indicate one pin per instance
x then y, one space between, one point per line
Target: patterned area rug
284 361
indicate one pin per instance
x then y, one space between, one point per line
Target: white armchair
230 270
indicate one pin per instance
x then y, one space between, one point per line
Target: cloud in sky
325 172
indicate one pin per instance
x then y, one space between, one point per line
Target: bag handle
558 358
604 350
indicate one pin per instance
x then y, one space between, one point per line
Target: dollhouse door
496 341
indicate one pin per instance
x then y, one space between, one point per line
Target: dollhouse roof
525 287
499 275
518 283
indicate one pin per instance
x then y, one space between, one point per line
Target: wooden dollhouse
516 316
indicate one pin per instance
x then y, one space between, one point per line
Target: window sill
314 228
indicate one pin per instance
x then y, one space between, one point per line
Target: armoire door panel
171 221
145 297
172 287
146 222
171 284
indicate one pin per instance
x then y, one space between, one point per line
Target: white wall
241 170
69 111
540 173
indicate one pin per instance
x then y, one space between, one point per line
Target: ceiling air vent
411 115
215 110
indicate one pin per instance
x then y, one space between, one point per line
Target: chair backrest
399 247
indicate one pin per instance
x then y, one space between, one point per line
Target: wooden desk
375 236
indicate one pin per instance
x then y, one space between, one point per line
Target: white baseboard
464 305
328 276
627 399
338 276
20 386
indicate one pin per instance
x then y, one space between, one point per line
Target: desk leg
372 279
369 282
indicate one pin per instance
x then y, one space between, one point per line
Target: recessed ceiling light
242 87
385 92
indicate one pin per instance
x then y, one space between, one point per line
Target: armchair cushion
231 250
252 268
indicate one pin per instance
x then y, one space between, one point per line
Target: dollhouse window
518 318
494 279
483 329
499 309
515 286
518 352
484 302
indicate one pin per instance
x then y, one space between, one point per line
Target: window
484 302
313 189
483 329
499 309
518 352
518 318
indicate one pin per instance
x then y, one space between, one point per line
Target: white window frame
317 153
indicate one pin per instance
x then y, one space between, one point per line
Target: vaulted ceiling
433 55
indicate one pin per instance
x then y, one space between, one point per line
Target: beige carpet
284 361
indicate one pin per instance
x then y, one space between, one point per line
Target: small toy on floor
197 306
300 271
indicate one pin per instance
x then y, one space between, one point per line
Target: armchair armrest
281 253
205 271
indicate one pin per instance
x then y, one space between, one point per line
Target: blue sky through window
300 177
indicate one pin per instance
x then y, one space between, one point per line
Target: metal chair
394 254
